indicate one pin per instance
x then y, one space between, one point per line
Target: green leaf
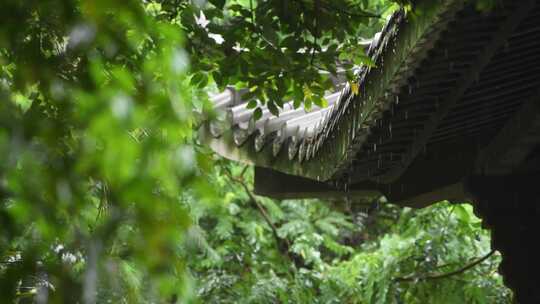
257 114
252 104
219 80
363 59
462 213
297 103
273 108
320 101
308 102
199 80
307 92
203 82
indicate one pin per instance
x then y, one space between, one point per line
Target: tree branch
244 171
261 209
445 275
283 244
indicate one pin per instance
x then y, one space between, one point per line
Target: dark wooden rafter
482 60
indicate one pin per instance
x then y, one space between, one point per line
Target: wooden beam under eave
279 185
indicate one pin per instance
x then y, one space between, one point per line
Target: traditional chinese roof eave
326 155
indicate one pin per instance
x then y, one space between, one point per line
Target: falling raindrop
397 99
406 115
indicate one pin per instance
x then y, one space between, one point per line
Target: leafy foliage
96 149
341 254
278 50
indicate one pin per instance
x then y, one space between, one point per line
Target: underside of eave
478 75
462 84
